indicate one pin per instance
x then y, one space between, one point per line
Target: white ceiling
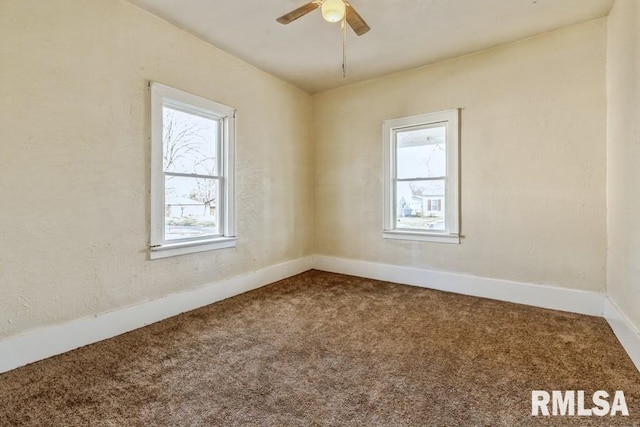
405 33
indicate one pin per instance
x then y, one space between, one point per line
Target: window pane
420 205
190 143
191 207
421 153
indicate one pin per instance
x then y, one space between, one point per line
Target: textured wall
623 157
532 168
74 159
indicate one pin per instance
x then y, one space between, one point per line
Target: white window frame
162 95
452 186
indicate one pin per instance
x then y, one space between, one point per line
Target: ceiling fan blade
298 13
355 21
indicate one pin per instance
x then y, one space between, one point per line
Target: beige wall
74 159
532 161
623 157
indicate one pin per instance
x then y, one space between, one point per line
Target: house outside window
421 183
192 147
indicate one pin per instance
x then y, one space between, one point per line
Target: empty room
344 213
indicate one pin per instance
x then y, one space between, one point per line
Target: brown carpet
328 349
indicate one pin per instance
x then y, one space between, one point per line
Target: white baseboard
38 344
624 329
551 297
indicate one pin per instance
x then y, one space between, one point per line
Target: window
434 205
421 178
192 146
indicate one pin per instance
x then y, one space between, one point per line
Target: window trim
452 182
158 246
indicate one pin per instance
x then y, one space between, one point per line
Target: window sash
394 201
185 108
396 131
419 178
192 175
219 207
210 115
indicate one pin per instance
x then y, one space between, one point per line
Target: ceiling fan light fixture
333 10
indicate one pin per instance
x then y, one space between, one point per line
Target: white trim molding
41 343
544 296
169 250
450 121
625 331
163 97
421 237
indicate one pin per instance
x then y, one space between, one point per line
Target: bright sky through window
421 153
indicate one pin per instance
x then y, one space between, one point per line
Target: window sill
183 248
422 237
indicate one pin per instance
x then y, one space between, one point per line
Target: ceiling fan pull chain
344 48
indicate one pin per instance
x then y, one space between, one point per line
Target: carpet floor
329 349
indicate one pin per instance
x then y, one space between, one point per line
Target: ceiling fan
332 11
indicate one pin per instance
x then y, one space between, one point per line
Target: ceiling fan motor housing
333 10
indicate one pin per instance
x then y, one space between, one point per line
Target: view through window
421 173
191 171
